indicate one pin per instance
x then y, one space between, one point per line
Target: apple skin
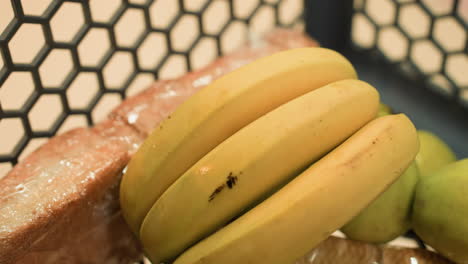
433 153
440 211
384 110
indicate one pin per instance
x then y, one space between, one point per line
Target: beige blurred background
411 41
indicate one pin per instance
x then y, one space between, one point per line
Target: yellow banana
252 162
215 113
317 202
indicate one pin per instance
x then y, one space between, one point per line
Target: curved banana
317 202
215 113
254 161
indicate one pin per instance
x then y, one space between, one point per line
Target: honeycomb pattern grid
65 64
426 40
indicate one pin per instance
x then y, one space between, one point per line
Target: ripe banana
317 202
215 113
252 162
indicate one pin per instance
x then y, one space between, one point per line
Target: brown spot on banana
216 192
231 181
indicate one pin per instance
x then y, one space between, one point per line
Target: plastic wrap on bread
339 250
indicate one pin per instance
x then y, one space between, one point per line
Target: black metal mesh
65 79
425 40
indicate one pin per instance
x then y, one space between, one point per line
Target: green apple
389 215
440 211
384 110
433 154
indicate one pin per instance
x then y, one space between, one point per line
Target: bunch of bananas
264 163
